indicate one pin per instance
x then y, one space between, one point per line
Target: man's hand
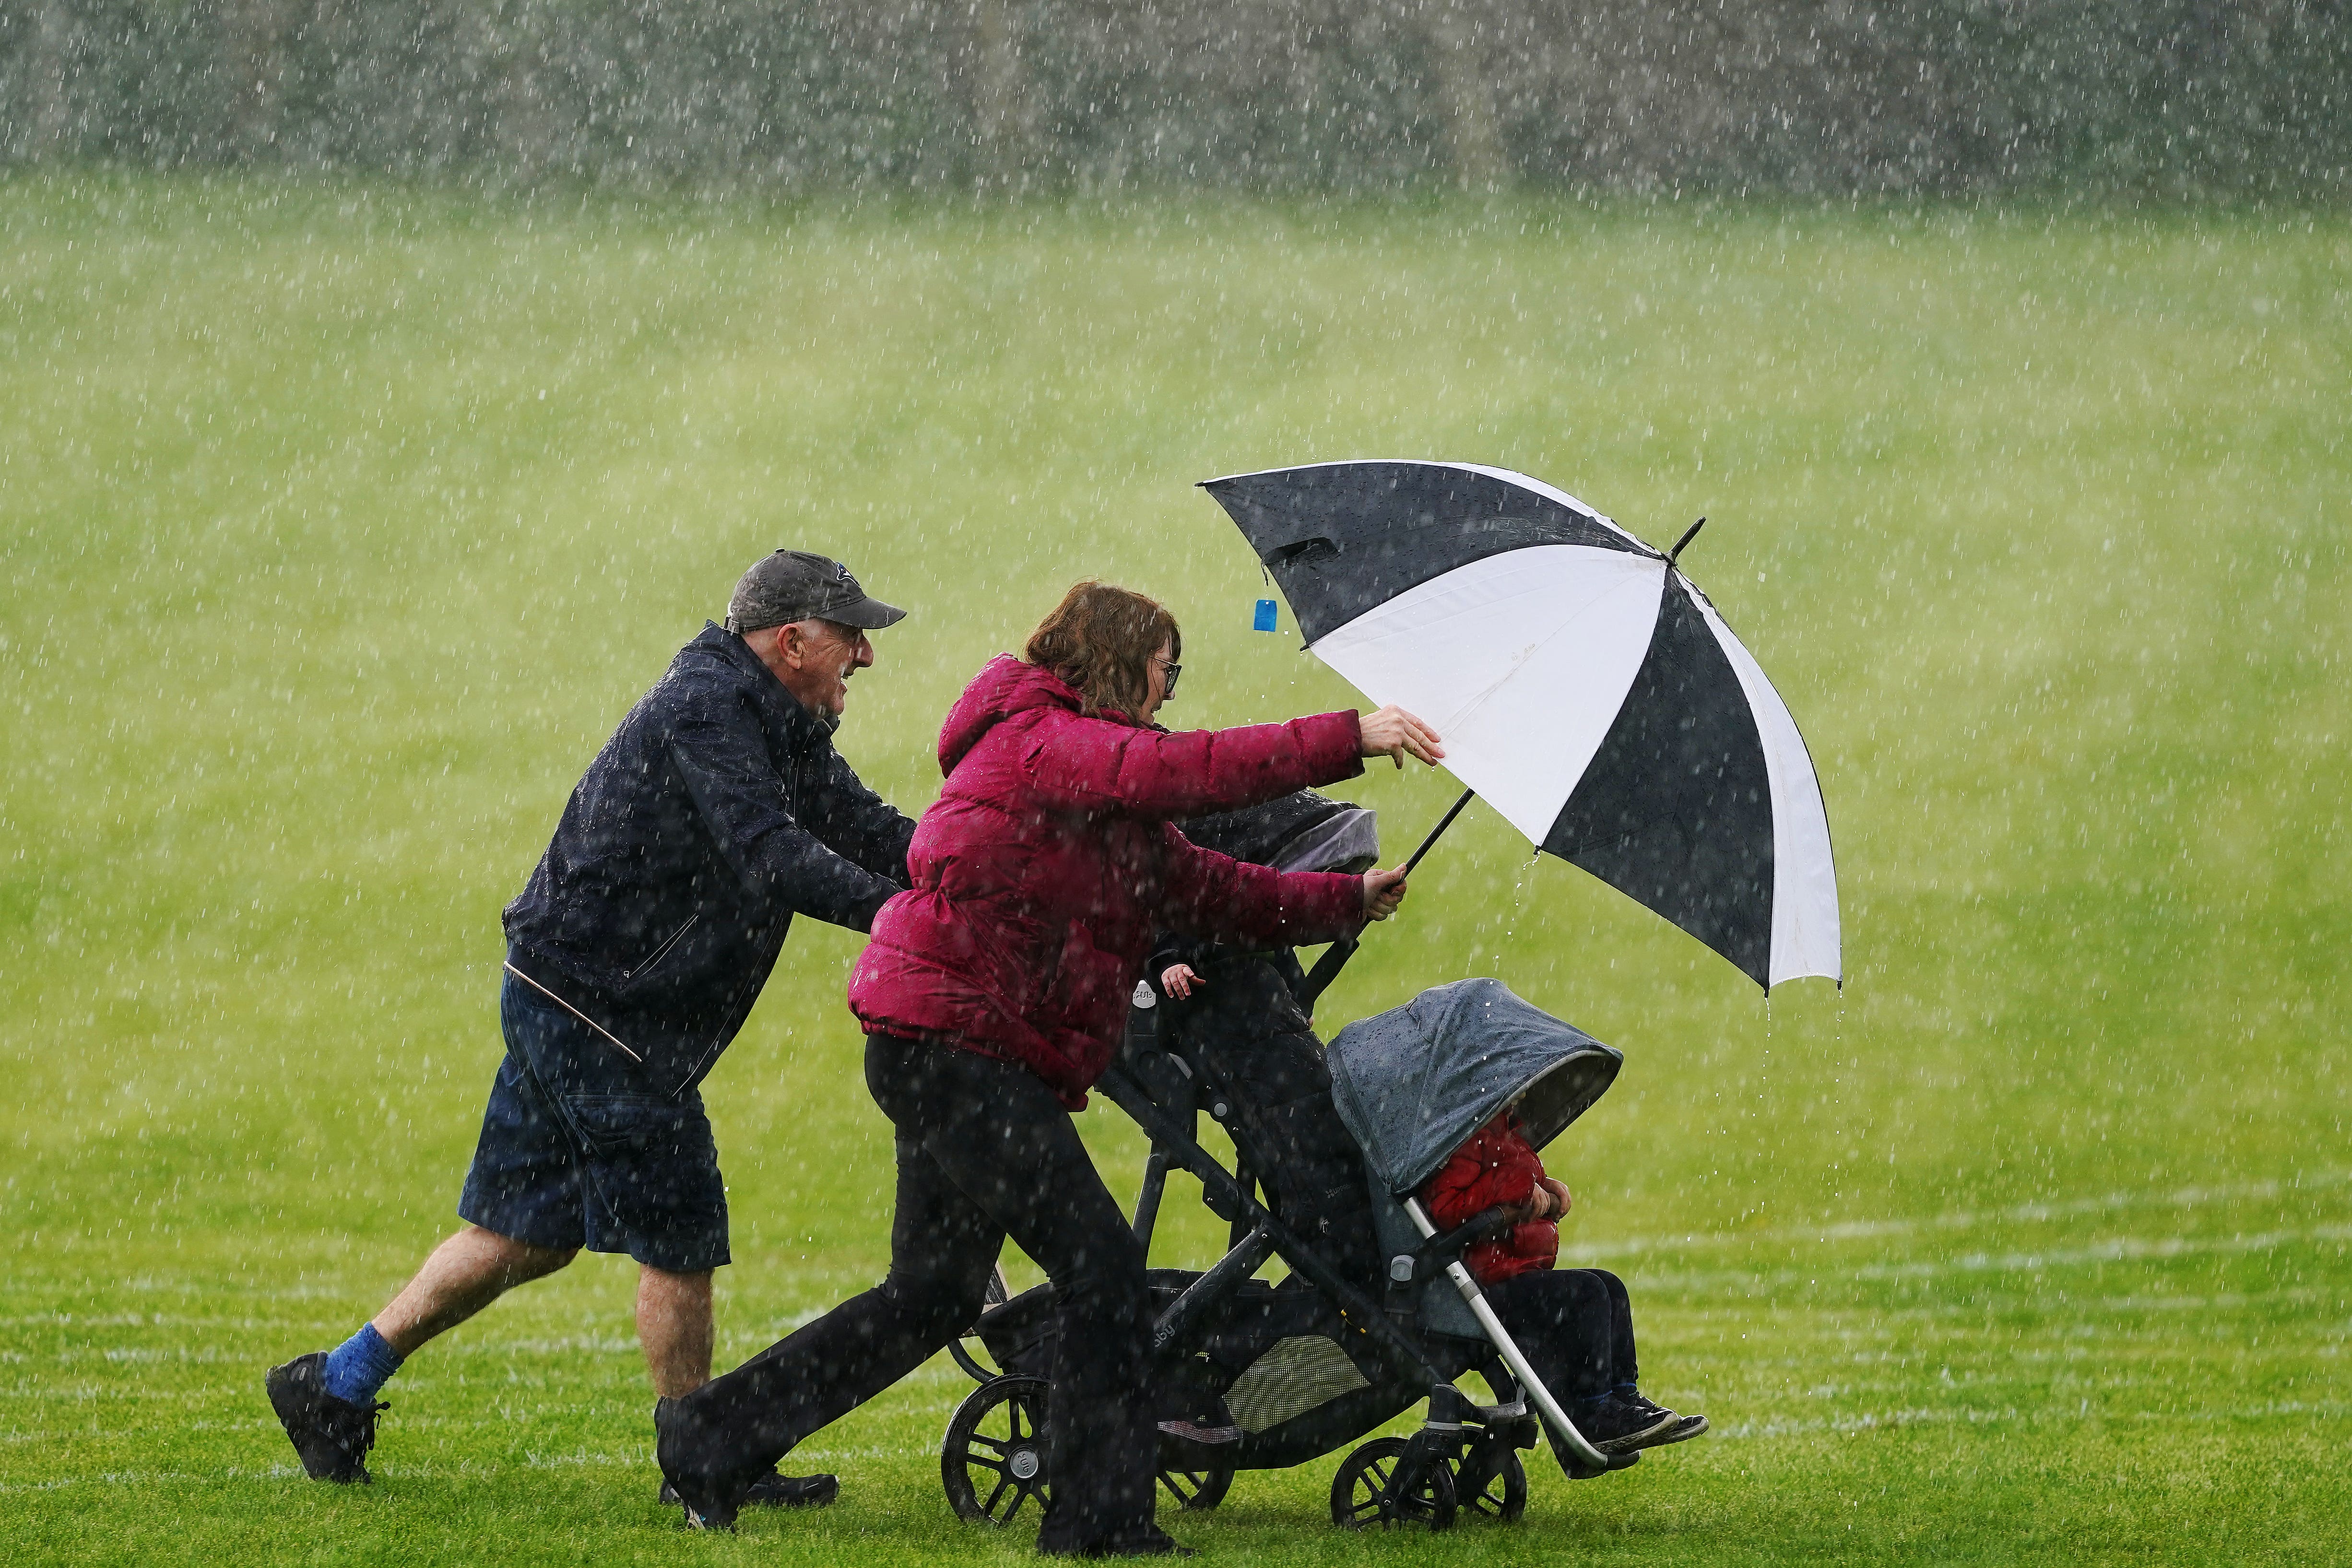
1383 891
1391 732
1178 980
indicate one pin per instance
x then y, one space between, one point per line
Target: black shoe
1639 1400
710 1494
773 1490
332 1436
1686 1426
1150 1541
1619 1424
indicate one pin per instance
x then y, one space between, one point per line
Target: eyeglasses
1174 670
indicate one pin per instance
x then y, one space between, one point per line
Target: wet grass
340 524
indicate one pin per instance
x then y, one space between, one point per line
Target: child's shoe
1621 1423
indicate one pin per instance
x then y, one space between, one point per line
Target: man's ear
791 645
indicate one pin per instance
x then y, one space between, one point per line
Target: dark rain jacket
717 810
1039 872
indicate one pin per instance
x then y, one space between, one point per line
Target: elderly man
717 811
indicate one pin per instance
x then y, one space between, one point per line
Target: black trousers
1575 1326
985 1151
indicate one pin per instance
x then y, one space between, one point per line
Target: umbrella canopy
1583 685
1413 1082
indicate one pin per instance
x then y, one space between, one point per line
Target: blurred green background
341 522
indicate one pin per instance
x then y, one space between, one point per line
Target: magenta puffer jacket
1041 871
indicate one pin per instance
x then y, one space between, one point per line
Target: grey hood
1412 1083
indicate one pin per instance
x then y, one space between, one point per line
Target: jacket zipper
663 951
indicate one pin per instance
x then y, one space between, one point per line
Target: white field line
2117 1250
2188 1198
1871 1421
470 1471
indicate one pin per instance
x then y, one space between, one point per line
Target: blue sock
361 1366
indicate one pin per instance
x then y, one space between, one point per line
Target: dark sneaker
1150 1541
709 1495
1617 1424
773 1490
1684 1429
332 1436
1635 1398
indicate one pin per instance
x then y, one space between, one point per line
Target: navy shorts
578 1151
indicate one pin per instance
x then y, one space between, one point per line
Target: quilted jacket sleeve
1213 897
1079 764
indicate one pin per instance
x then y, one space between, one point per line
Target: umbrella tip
1688 534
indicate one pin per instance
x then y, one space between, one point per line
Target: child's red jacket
1495 1166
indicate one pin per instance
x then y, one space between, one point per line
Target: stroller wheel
995 1294
992 1459
1201 1489
1492 1481
1363 1493
974 1368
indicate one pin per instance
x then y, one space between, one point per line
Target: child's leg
1623 1370
1562 1322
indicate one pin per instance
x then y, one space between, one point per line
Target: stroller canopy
1299 831
1413 1082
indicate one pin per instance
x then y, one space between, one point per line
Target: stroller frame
1419 1483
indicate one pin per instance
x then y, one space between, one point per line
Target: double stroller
1378 1311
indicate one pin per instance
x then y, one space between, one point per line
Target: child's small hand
1562 1200
1178 980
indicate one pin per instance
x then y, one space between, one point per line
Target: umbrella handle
1443 823
1335 957
1327 969
1689 534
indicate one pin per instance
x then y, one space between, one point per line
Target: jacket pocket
646 965
616 1127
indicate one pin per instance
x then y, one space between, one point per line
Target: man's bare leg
465 1274
326 1400
673 1326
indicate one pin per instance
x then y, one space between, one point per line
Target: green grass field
338 524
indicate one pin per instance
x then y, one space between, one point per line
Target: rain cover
1412 1083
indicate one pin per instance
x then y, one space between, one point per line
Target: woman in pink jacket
993 994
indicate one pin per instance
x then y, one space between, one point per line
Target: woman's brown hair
1101 639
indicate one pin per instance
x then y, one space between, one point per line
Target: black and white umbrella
1583 685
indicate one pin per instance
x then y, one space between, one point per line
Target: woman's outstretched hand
1391 732
1383 891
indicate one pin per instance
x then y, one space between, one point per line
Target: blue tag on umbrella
1265 621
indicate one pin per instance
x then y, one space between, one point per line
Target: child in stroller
1575 1325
